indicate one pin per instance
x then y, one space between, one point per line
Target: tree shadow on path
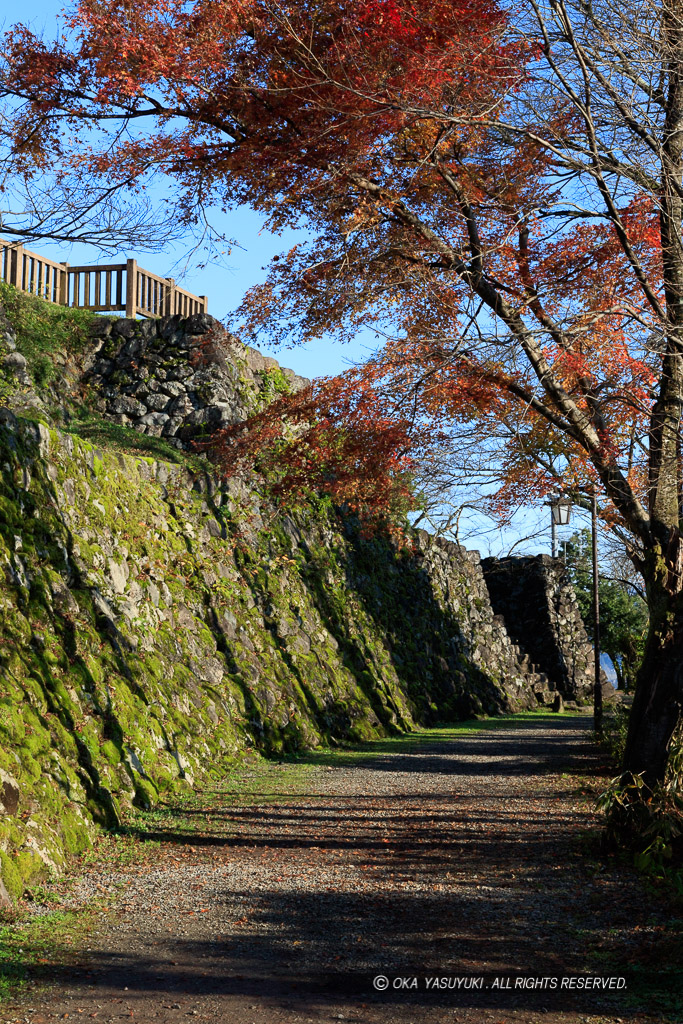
402 866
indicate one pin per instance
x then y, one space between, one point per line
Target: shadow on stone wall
535 597
429 652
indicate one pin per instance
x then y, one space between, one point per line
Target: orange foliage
377 125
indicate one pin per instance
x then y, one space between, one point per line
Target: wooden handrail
109 287
32 273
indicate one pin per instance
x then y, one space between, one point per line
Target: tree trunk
659 692
621 674
659 687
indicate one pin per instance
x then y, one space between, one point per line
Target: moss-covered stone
152 630
11 876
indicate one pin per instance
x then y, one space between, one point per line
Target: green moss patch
116 437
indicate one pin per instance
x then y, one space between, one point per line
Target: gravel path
449 858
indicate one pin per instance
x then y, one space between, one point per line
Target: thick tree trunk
659 687
659 690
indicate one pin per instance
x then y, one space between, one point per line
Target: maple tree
497 191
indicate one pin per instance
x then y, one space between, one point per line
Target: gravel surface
453 858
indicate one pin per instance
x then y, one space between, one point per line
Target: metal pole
597 688
553 531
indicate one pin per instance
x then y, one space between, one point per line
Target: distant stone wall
536 601
483 644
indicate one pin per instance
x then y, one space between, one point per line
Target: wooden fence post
169 304
16 276
205 303
63 289
131 289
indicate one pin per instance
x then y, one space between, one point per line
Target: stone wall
180 379
150 635
536 601
483 642
157 623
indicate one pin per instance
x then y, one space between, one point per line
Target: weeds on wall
116 437
44 329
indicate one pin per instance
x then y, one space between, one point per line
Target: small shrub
614 732
650 824
274 384
43 371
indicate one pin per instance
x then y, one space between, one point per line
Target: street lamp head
561 509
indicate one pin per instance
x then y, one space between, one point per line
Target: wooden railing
34 274
112 287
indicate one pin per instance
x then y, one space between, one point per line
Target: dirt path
443 857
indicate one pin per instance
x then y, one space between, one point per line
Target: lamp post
559 516
560 510
597 686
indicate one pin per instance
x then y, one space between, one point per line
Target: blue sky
225 285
